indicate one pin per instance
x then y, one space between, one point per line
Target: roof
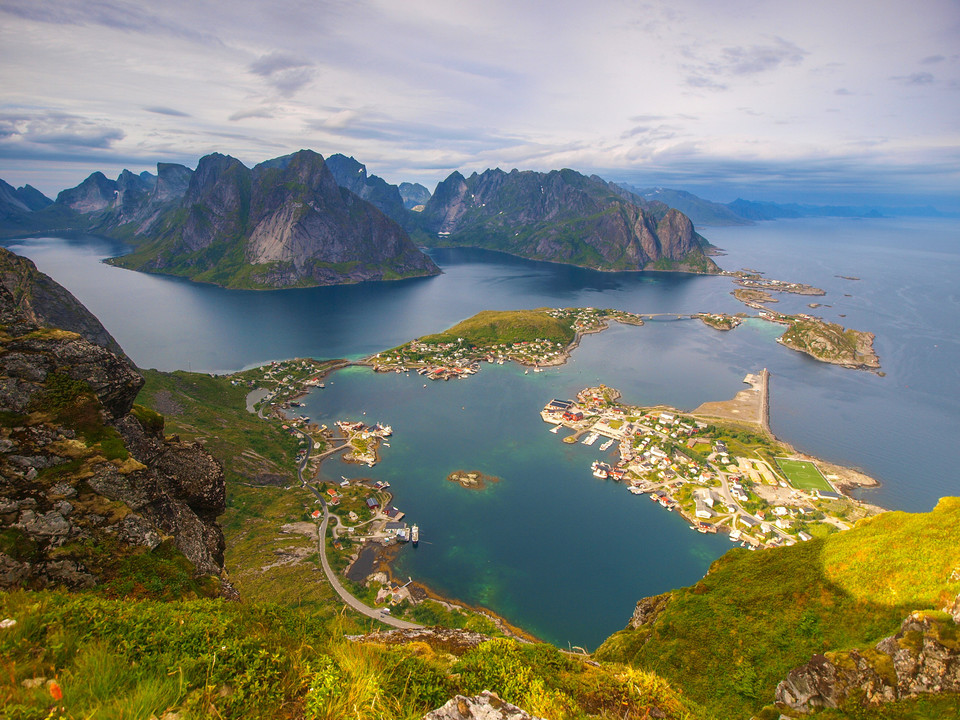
373 502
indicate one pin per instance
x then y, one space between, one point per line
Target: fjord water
551 548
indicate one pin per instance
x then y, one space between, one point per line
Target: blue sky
836 101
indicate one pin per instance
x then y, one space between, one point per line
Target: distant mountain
285 223
700 211
560 216
777 211
21 200
413 194
353 176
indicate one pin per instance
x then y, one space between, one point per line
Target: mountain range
299 220
560 216
746 212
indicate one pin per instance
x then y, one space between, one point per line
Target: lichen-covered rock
485 706
448 640
82 483
923 657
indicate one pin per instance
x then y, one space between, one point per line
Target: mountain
775 211
44 302
21 200
352 175
413 194
560 216
286 223
700 211
92 494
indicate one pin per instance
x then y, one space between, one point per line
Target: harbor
705 472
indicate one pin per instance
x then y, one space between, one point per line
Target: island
831 343
473 480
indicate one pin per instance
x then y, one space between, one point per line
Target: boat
415 535
607 444
321 386
600 469
635 490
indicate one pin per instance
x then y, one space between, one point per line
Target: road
335 583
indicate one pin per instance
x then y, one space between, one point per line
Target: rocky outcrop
84 482
44 302
561 216
922 658
485 706
831 343
448 640
285 223
648 609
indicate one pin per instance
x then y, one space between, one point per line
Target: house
703 511
393 513
828 495
780 511
392 528
748 521
558 406
573 415
804 537
783 523
373 503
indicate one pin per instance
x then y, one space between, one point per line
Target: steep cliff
286 223
413 194
561 216
89 486
45 302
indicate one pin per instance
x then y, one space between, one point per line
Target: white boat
415 534
607 444
600 470
635 490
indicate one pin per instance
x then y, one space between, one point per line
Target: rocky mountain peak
93 194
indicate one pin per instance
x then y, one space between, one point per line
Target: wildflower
55 690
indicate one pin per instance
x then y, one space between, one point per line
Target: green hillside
729 639
491 327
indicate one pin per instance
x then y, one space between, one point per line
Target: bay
550 547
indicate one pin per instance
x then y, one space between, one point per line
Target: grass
491 327
115 659
729 639
804 475
209 408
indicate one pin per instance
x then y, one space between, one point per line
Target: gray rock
135 530
62 489
921 658
485 706
50 526
64 508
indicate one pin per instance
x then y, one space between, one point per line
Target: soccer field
803 475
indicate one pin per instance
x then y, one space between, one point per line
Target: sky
837 101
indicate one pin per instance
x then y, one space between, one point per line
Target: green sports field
803 475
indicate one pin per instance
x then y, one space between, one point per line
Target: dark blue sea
551 548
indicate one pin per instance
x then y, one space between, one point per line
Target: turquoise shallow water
550 547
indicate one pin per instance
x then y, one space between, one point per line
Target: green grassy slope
729 639
491 327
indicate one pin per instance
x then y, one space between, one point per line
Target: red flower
55 690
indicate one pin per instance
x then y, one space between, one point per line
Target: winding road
322 536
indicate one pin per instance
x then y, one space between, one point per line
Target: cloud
932 59
130 17
843 91
287 74
761 58
159 110
252 113
60 129
919 78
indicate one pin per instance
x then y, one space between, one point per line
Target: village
718 478
461 357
